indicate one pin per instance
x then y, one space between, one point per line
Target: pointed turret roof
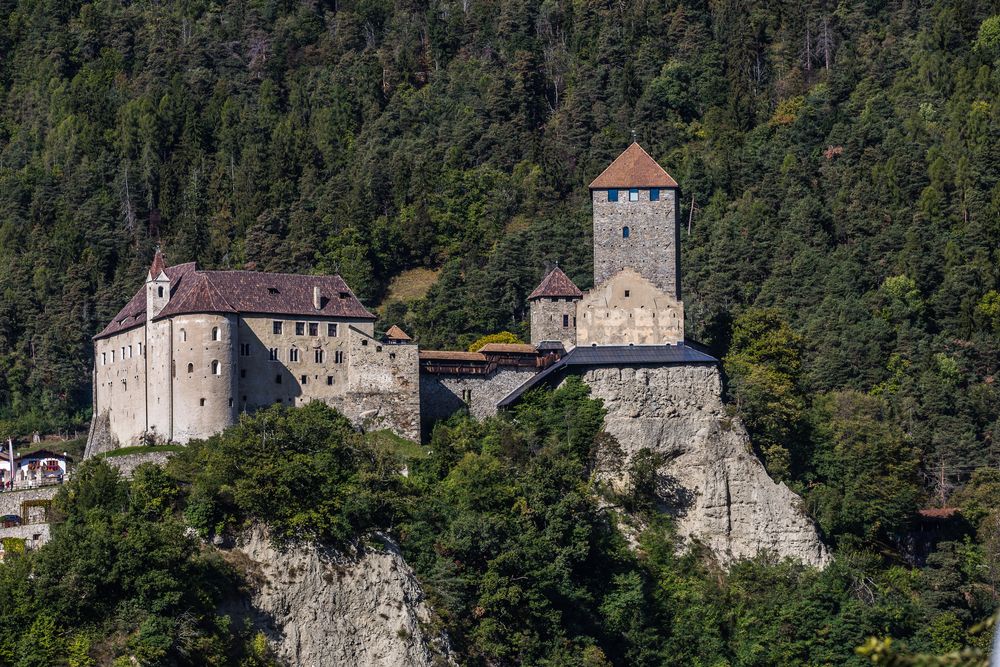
556 283
395 333
159 264
634 168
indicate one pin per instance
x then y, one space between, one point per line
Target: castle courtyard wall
442 395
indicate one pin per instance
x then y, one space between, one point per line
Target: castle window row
274 354
126 353
633 194
300 328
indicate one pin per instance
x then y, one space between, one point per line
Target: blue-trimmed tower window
633 194
654 194
625 232
612 195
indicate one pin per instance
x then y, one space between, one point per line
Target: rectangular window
244 349
112 356
273 354
243 372
319 356
331 329
329 379
633 194
276 326
612 195
304 379
467 396
565 321
139 349
293 354
626 293
277 379
654 194
314 328
338 357
300 328
104 358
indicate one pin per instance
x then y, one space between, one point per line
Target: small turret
157 286
553 309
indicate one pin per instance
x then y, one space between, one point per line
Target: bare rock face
717 489
320 608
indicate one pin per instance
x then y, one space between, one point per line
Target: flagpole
10 453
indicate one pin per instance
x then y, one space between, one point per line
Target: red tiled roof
395 333
556 283
193 291
134 312
508 348
634 168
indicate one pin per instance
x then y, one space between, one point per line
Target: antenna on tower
634 139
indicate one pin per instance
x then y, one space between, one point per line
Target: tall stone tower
158 351
635 221
553 309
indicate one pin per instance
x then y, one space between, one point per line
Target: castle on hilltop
194 349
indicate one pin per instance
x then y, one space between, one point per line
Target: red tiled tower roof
395 333
556 284
634 168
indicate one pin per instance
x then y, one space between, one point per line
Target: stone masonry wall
716 488
442 395
547 317
651 246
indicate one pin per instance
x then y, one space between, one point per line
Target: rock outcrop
716 488
318 607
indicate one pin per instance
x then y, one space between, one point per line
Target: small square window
612 195
633 194
364 343
627 294
654 194
331 329
276 326
329 379
202 402
300 328
314 328
304 379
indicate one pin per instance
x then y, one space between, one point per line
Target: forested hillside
839 165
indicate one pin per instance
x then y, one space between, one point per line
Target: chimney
317 300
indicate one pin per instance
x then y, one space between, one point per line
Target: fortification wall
651 244
10 501
205 378
383 388
444 395
628 308
554 318
34 535
120 383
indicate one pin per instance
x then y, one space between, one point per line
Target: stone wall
204 375
626 309
651 247
10 501
443 395
120 383
34 535
712 483
548 315
127 463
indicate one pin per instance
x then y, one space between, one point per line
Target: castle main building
193 349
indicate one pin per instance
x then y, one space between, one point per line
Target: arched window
190 368
184 335
216 335
625 232
159 292
216 368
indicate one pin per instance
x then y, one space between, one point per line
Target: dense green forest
840 175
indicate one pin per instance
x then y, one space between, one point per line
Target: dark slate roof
556 284
614 355
193 291
134 312
634 168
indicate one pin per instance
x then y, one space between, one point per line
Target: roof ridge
634 167
215 290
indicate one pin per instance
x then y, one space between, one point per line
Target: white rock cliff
722 495
320 608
